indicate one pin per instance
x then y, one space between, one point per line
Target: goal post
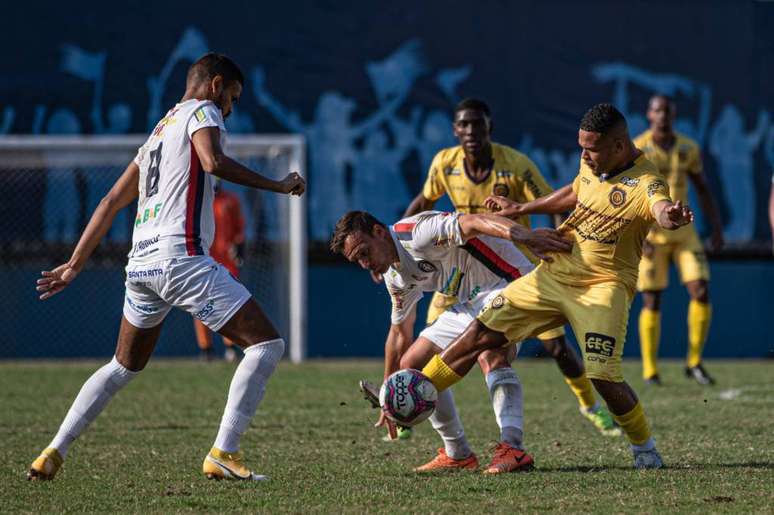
50 185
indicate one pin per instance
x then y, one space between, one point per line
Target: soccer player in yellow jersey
469 173
616 196
678 159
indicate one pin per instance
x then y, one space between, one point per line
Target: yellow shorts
687 254
598 315
441 303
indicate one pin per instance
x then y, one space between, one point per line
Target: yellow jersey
674 164
513 175
609 224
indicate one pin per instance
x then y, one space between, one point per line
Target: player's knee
131 363
651 300
699 291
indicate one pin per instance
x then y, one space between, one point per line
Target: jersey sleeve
656 190
140 154
434 188
695 165
533 185
439 230
207 115
403 300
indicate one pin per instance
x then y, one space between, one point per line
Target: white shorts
455 320
196 284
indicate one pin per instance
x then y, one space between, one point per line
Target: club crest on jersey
426 266
617 197
501 190
498 302
628 181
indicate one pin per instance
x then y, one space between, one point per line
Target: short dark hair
602 118
354 221
474 104
212 64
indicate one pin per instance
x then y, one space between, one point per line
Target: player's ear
216 85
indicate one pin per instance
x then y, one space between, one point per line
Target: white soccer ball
408 397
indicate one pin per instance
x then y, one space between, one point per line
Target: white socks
508 404
446 421
246 391
95 394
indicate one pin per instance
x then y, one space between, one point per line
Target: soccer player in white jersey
172 179
469 256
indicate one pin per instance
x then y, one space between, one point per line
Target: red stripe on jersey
496 260
190 211
404 227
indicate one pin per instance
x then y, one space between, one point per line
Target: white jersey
174 209
434 257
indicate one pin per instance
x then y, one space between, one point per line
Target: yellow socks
581 387
699 317
650 332
635 425
440 374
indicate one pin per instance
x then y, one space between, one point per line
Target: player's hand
679 214
55 280
716 241
392 431
376 277
293 184
503 206
542 242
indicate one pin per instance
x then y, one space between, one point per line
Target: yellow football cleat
228 465
45 466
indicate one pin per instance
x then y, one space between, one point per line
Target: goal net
50 186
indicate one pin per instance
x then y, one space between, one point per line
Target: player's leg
652 279
230 354
571 366
694 273
456 453
598 315
133 351
203 340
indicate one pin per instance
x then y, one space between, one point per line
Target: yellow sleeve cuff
440 374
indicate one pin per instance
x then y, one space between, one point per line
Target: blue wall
349 315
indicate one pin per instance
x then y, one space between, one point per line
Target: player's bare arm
709 207
671 216
540 241
399 339
124 191
557 202
418 205
206 141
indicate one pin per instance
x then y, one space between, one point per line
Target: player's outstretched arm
418 205
541 242
206 142
399 339
557 202
671 216
124 191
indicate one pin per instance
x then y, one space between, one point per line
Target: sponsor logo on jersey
628 181
147 214
600 344
593 225
144 244
205 311
452 171
585 180
617 197
501 189
200 114
657 186
169 119
531 185
474 293
426 266
503 173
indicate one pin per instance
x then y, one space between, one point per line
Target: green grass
313 436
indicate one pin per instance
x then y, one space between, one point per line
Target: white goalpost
57 181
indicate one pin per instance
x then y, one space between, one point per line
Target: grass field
313 436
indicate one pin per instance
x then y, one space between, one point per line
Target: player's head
216 77
473 125
364 240
661 113
604 139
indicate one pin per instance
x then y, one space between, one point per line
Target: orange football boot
508 458
444 462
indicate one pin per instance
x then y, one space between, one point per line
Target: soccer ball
408 397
